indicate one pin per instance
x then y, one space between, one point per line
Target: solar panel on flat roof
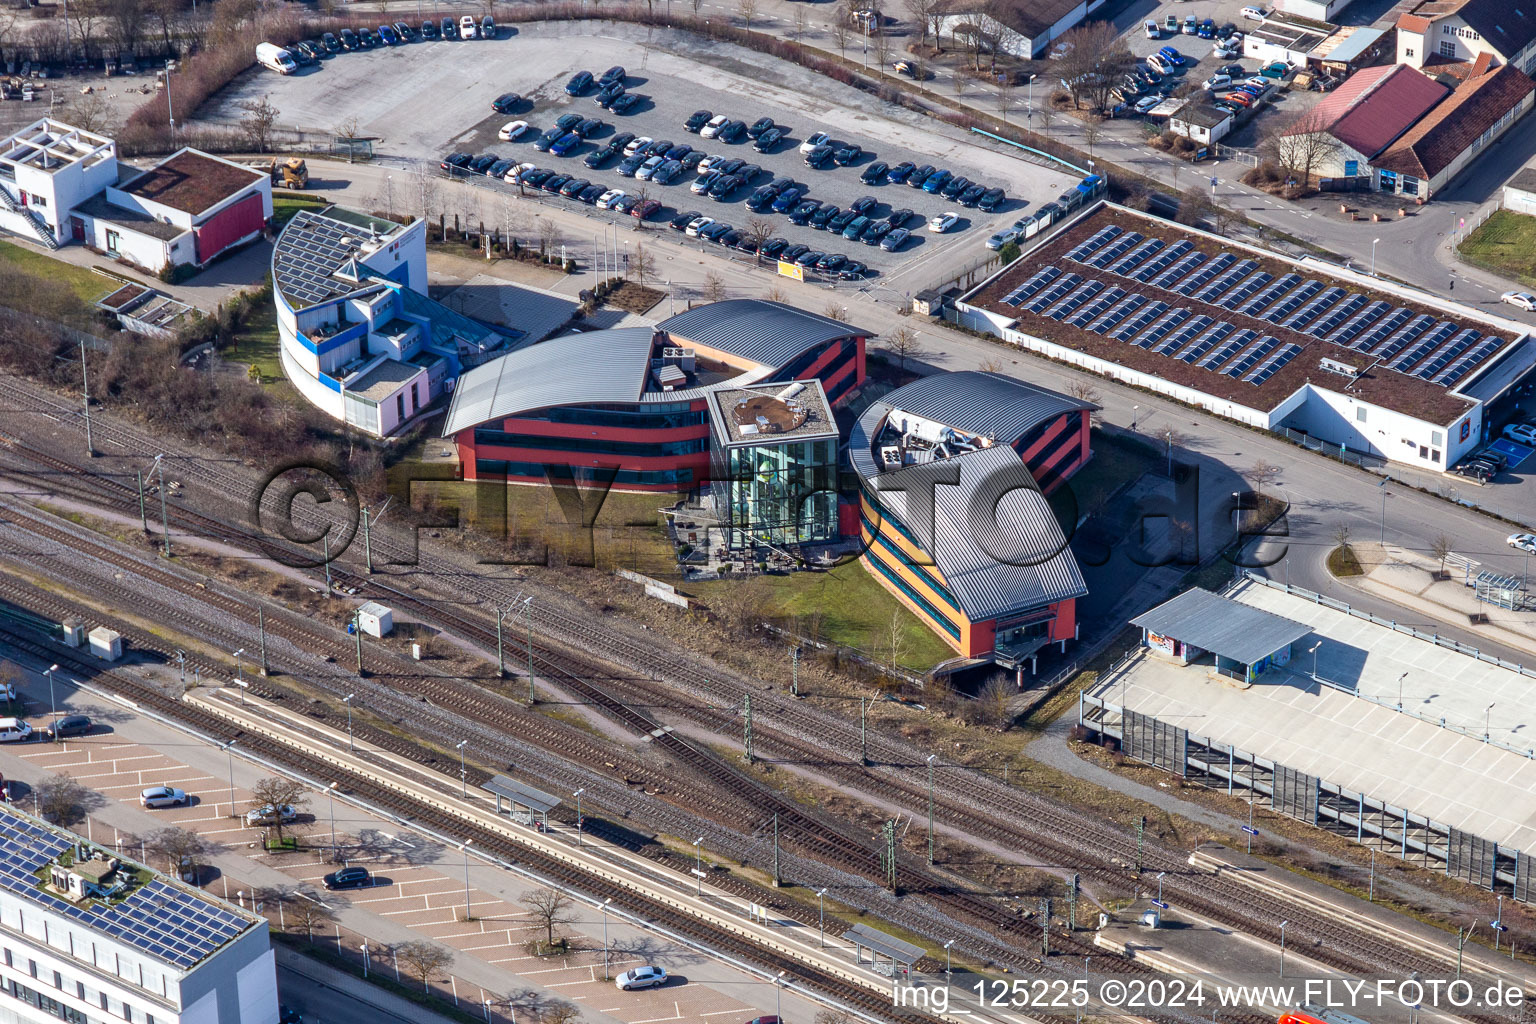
1178 270
1292 301
1314 309
1164 259
1251 355
1272 363
1467 361
1442 357
1179 338
1243 291
1093 243
1093 310
1041 278
1134 258
1207 341
1399 320
1412 353
1075 300
1227 349
1270 295
1227 280
1138 323
1119 247
1199 278
1117 314
1347 319
1048 297
1159 330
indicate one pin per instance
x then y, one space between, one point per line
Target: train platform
1403 930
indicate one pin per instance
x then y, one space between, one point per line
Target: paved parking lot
426 99
418 886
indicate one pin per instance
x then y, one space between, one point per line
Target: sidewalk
325 995
1407 578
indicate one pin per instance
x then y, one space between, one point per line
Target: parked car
722 188
69 725
649 167
682 220
387 36
500 168
813 213
702 184
648 976
536 177
14 730
1171 24
598 157
939 223
626 103
714 231
815 139
580 82
899 218
349 40
267 814
692 160
455 162
573 188
1525 300
630 165
591 193
761 199
768 140
353 877
645 208
856 227
637 145
1207 29
429 30
450 28
746 172
1254 13
697 120
789 197
875 232
991 199
1012 233
731 239
1152 30
901 172
712 127
1524 433
487 27
954 186
770 249
730 166
819 157
608 198
588 127
732 132
668 173
1242 99
467 27
1146 103
1191 25
513 130
936 181
608 95
847 155
756 128
627 204
917 177
841 220
852 270
971 196
698 224
554 183
793 253
1216 81
613 75
1523 541
162 796
331 43
810 258
875 173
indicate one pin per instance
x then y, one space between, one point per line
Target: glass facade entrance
780 494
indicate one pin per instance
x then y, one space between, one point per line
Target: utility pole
930 808
357 633
1045 926
890 853
1141 832
261 626
367 533
863 730
1073 885
777 881
165 529
143 520
794 668
746 704
85 381
528 613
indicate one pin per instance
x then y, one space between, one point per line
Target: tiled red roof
1374 106
1443 134
1413 23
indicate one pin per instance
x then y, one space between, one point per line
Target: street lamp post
1313 651
605 936
463 769
347 700
53 700
1374 241
1487 719
240 673
1385 494
577 795
778 996
948 974
821 916
229 752
698 864
528 613
1160 875
468 914
1400 690
930 808
1282 947
330 792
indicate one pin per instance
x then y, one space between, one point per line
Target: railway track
1053 831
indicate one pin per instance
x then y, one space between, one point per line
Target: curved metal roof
981 517
756 329
979 402
600 366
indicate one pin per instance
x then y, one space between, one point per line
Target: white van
467 28
276 58
14 730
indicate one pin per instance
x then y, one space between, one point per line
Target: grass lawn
285 205
256 344
855 609
1506 244
87 285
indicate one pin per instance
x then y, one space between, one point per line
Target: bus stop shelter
525 804
887 954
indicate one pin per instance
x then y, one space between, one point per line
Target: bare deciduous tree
841 30
125 19
776 294
920 11
90 111
259 121
904 344
1263 473
548 907
882 47
62 800
748 10
179 846
759 231
895 639
1004 96
641 264
714 287
307 912
996 699
1299 146
834 1017
1092 130
1442 547
560 1013
1093 59
836 311
423 959
277 792
802 22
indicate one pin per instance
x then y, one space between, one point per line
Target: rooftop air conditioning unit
1342 369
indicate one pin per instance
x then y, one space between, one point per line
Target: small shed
1520 192
375 619
1201 122
525 804
1244 641
887 954
74 632
928 302
106 644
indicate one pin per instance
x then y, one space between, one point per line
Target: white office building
90 938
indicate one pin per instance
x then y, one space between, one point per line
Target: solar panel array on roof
1093 243
1181 337
1053 294
1293 299
1312 310
1247 288
180 927
1093 310
1385 328
1443 356
1041 278
1366 317
1411 354
1113 251
1146 250
1207 341
1227 349
1272 363
1159 330
1461 366
1112 319
1251 355
1227 280
1138 323
1178 270
1205 273
1269 295
1163 261
311 250
1327 325
1075 301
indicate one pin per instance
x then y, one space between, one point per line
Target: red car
645 209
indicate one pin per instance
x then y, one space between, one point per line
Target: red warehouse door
227 227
